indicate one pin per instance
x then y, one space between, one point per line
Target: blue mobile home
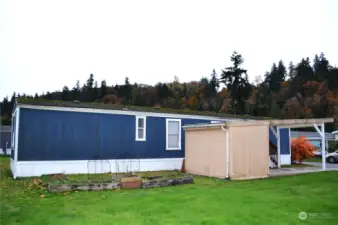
51 137
5 140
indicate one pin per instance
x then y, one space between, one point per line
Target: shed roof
311 135
95 105
290 123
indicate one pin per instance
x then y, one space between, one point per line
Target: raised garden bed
123 181
83 187
164 182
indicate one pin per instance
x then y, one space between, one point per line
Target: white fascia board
126 112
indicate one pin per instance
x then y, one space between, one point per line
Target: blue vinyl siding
59 135
284 140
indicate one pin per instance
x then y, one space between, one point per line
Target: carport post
323 147
278 146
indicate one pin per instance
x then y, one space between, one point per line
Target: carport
239 149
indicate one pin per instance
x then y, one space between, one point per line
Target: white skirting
38 168
285 159
13 167
8 151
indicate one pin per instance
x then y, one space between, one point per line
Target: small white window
140 128
173 134
217 121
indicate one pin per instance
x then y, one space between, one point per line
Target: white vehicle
332 157
318 153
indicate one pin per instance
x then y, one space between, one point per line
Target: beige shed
237 149
247 156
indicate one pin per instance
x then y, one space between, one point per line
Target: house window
173 134
140 128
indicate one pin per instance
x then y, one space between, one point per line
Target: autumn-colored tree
192 102
301 148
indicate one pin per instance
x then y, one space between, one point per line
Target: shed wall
205 152
249 152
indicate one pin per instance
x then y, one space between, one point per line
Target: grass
209 201
313 160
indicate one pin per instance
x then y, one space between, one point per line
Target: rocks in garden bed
83 187
153 177
124 183
167 182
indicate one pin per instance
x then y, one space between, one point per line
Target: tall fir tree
321 67
236 80
103 89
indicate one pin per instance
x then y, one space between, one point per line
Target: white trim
13 168
278 147
315 138
179 134
14 111
323 147
144 128
296 126
17 121
38 168
285 159
290 144
199 125
274 132
128 112
318 131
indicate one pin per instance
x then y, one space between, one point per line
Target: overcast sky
45 44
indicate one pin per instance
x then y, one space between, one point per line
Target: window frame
137 128
179 135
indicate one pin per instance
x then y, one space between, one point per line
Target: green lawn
313 160
208 201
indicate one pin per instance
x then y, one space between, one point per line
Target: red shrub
301 149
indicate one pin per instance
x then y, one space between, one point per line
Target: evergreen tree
304 73
127 91
213 84
292 71
76 92
321 67
103 89
236 80
163 91
65 94
276 76
333 79
281 70
184 90
90 81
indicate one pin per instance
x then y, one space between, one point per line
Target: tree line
308 89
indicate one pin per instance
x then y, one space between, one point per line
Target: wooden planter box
131 182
